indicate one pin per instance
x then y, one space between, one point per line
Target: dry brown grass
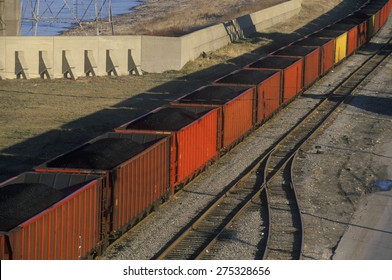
223 55
175 18
207 13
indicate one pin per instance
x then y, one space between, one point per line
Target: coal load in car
21 201
167 119
103 154
213 95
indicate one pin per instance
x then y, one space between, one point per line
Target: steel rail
298 204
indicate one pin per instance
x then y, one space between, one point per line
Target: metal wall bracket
20 65
234 30
133 69
89 63
67 65
44 65
111 63
1 69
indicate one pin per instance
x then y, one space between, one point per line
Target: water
383 185
58 16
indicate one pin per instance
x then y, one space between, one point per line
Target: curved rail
285 226
298 204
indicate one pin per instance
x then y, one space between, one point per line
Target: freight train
73 206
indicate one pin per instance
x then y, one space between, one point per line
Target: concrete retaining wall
219 35
60 56
72 57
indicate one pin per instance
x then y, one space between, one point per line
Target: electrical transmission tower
38 16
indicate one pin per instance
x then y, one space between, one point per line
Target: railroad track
268 184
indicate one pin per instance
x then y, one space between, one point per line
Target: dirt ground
41 119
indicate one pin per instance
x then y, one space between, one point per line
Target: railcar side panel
352 40
292 81
4 254
312 67
269 96
196 145
70 229
238 117
291 69
140 184
327 56
340 47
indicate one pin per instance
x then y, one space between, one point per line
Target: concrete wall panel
161 53
119 45
205 40
2 58
29 47
219 35
76 47
273 15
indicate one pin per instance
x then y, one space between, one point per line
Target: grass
176 18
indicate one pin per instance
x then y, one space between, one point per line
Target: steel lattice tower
38 13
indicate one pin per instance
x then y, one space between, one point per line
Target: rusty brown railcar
53 216
137 167
292 73
311 61
380 7
352 35
194 137
237 105
268 84
340 38
361 20
375 18
327 51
